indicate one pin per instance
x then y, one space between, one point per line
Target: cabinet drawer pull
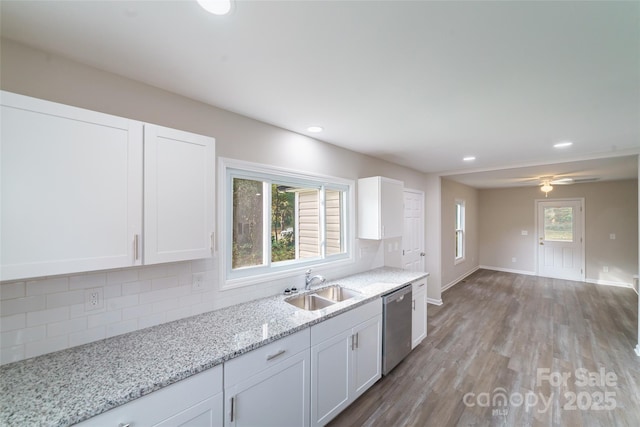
273 356
357 339
124 425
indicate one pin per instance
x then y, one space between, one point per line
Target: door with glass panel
560 239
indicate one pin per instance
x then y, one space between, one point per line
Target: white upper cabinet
179 174
380 208
71 189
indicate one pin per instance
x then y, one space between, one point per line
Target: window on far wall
279 222
459 225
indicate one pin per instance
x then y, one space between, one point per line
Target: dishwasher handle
398 295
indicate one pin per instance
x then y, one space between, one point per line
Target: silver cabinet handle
135 248
233 408
212 241
273 356
124 425
357 339
354 341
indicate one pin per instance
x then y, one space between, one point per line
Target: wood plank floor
561 352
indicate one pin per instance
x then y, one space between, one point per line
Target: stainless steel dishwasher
396 335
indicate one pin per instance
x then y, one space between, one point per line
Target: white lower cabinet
195 402
345 360
419 313
269 386
282 384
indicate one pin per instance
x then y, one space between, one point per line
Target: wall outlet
197 282
605 269
612 236
513 259
93 299
524 232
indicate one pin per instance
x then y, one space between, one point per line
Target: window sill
228 284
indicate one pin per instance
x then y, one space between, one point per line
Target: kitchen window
459 227
278 221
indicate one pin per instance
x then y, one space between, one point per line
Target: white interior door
560 239
413 234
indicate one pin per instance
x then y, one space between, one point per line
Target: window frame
459 227
233 278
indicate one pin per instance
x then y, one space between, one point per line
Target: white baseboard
610 283
508 270
434 301
459 279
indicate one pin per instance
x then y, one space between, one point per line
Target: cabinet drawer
330 328
249 364
420 285
164 403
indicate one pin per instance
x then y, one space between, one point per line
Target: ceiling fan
547 182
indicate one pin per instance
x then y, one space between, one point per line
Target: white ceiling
418 83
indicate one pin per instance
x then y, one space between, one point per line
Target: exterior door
413 234
560 239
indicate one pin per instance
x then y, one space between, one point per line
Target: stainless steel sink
337 293
310 302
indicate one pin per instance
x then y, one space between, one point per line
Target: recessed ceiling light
563 144
469 158
217 7
314 129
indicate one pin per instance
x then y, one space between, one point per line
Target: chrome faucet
308 280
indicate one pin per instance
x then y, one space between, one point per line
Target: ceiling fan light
546 187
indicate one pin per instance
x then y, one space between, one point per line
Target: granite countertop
69 386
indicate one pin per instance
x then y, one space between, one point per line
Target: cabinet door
419 314
380 208
392 208
207 413
71 189
330 378
277 396
367 355
179 177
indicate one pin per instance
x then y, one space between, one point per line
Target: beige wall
451 271
138 297
610 208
